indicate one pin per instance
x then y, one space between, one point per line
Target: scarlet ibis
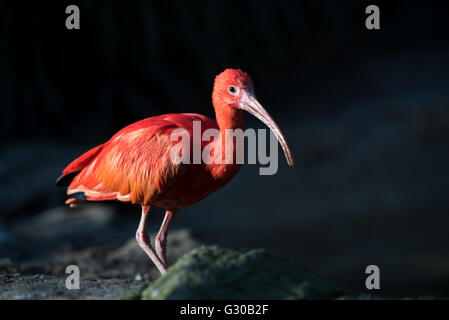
135 164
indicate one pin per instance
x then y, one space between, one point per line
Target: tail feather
82 190
74 168
77 198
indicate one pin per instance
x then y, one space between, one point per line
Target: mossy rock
211 272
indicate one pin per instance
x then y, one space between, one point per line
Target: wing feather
134 165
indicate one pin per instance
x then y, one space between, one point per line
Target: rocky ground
204 273
100 242
112 266
110 261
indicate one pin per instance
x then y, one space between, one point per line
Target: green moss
217 273
132 296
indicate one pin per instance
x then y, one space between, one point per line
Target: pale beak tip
290 161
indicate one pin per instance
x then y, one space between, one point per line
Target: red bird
135 164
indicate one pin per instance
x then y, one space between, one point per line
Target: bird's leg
144 240
161 238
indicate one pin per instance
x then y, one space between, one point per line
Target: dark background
366 114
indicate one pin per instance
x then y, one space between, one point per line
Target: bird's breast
198 182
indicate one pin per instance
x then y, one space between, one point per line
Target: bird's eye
232 90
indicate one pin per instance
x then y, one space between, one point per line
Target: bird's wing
134 165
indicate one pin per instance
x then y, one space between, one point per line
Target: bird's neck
228 119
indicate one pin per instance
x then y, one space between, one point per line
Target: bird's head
234 88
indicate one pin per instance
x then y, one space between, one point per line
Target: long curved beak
249 103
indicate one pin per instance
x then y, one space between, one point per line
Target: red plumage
134 165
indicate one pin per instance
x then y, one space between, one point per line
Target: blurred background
366 114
